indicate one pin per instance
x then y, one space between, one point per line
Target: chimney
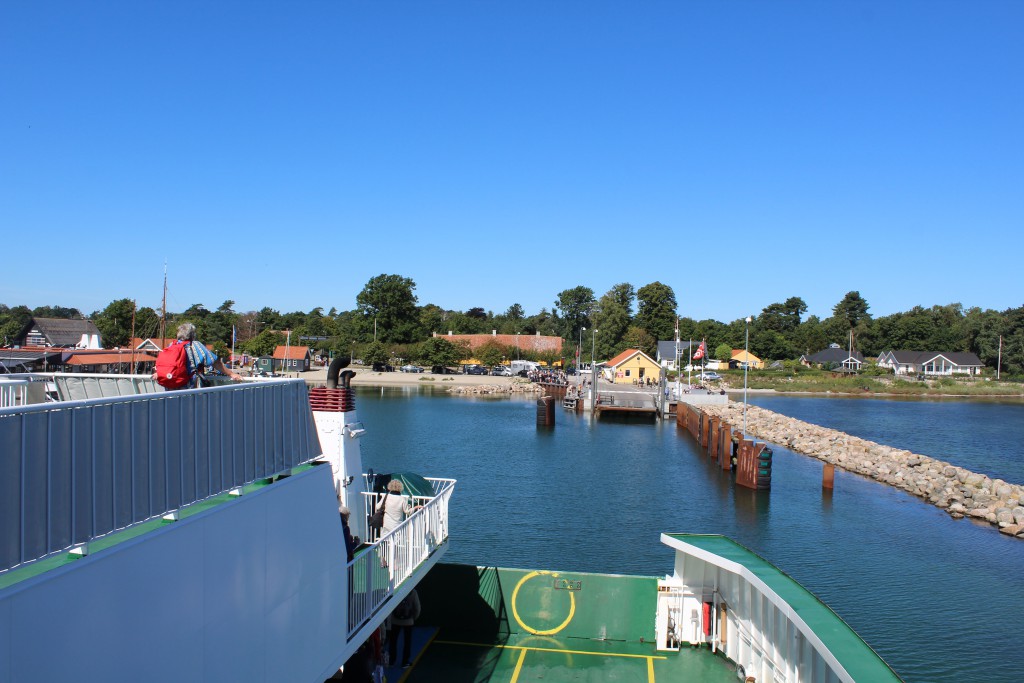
449 333
494 333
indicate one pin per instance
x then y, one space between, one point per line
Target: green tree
639 338
491 353
851 310
115 322
57 312
13 321
263 344
723 351
376 352
574 307
612 318
389 300
656 310
515 312
439 352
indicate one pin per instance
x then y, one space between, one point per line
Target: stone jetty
960 492
487 389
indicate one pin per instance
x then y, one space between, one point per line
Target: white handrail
378 570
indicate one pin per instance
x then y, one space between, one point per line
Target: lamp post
579 350
593 368
746 367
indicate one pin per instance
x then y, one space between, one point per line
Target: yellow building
632 365
739 357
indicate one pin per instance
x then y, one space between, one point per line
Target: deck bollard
828 475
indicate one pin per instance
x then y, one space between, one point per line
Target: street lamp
579 350
746 367
593 368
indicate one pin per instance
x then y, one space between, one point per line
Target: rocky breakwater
488 389
960 492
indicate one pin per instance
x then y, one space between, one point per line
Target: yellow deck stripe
551 649
405 674
650 670
519 666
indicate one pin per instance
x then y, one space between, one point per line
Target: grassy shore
817 381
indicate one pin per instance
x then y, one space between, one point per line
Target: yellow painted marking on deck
416 659
650 669
551 631
519 666
551 649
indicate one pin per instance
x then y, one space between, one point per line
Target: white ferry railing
13 392
379 569
73 471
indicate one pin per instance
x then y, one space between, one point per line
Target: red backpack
172 366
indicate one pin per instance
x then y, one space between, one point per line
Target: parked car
411 368
475 370
501 371
711 376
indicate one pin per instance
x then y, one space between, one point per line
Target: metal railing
378 570
74 471
13 392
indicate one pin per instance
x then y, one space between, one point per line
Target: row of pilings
957 490
726 447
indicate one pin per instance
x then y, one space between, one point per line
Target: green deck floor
483 624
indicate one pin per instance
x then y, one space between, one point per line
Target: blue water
939 599
981 435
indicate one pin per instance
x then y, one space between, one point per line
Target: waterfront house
931 363
630 365
668 351
834 357
292 358
741 359
59 332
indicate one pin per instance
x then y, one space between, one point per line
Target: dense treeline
388 321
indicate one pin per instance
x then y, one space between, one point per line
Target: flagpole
233 335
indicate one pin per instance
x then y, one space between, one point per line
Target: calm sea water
940 599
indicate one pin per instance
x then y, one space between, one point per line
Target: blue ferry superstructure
195 536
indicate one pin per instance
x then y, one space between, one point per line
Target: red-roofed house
292 358
630 365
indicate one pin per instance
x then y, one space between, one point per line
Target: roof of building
627 355
744 356
961 358
59 331
290 352
835 355
667 349
526 342
155 342
109 357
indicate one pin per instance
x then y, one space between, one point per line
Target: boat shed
292 358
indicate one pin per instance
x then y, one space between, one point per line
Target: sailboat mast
163 308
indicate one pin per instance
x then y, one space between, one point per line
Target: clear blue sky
282 154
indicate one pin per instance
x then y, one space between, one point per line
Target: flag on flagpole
701 350
234 335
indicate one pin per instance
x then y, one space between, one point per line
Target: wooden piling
546 411
828 475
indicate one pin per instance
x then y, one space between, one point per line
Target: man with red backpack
180 365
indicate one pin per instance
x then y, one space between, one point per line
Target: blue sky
282 154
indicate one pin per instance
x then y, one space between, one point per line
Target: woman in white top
396 508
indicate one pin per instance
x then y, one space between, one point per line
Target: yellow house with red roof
630 366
